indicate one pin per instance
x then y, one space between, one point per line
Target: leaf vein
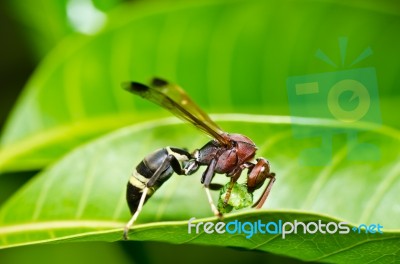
90 176
322 178
379 193
265 242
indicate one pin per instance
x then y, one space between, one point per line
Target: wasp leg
234 177
136 214
213 207
265 194
170 160
232 183
208 174
206 179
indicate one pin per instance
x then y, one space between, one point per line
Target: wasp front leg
235 175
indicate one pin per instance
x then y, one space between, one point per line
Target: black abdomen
143 172
133 195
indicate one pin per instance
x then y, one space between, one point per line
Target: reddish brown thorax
230 157
245 147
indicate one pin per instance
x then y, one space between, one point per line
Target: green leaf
381 248
82 197
231 55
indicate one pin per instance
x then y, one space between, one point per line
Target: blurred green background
232 56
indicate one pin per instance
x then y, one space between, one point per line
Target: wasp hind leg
136 214
264 196
170 160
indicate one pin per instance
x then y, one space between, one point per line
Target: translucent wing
175 99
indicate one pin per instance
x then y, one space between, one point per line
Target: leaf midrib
93 223
58 224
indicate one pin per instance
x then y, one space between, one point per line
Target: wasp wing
175 99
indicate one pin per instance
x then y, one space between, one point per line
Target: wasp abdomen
145 170
136 185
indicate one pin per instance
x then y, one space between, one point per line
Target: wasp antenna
158 82
134 87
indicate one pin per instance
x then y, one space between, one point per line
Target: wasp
226 153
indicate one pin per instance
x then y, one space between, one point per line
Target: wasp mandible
226 153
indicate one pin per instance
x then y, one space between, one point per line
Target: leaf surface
82 197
